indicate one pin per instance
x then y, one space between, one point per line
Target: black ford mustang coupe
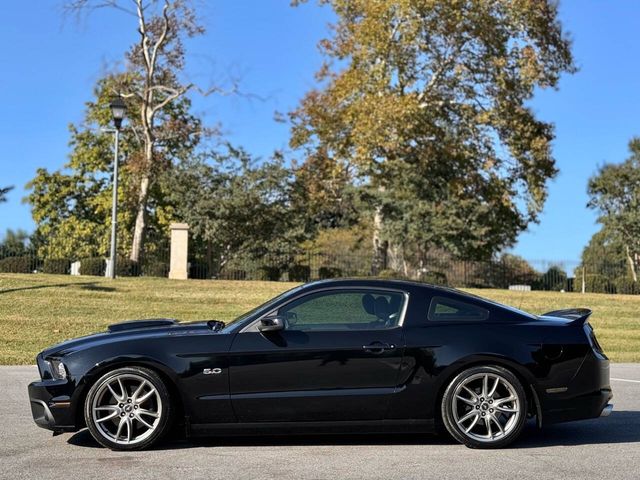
330 356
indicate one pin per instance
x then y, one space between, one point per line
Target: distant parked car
330 356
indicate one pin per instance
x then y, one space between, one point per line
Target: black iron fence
302 266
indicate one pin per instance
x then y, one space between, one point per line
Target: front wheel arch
91 377
120 383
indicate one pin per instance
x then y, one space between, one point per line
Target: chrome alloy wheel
126 409
486 407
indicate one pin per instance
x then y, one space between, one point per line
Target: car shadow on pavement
619 427
84 439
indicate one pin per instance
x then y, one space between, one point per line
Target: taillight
592 338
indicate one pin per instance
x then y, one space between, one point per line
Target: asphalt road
606 448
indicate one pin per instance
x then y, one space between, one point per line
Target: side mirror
271 324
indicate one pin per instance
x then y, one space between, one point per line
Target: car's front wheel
128 409
484 407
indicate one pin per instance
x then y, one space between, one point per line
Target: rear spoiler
578 316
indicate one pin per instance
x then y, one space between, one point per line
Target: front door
337 358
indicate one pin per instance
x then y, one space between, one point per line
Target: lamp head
118 110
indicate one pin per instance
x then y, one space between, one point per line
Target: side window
444 309
344 310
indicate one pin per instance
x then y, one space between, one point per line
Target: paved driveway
606 448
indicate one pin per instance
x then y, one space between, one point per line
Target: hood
133 329
137 324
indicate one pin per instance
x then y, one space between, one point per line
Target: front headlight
57 369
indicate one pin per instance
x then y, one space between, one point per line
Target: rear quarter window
444 309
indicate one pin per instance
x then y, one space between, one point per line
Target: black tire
512 428
160 398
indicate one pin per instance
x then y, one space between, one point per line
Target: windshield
236 322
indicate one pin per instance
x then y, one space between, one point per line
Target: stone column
179 251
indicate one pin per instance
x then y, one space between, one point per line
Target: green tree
72 206
235 205
502 271
554 279
615 194
324 189
605 254
3 193
14 243
153 84
604 266
426 99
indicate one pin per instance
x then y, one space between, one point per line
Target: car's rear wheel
128 409
484 407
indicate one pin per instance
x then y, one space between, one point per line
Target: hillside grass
39 310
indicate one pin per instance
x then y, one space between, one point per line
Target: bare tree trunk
159 55
380 246
396 259
210 259
140 227
632 263
150 105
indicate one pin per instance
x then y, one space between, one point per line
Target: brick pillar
179 251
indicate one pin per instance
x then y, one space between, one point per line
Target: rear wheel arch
463 401
527 381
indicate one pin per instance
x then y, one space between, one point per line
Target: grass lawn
39 310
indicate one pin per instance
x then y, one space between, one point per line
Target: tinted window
446 309
344 310
237 322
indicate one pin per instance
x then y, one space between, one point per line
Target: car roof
375 282
399 283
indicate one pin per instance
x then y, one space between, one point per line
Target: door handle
378 347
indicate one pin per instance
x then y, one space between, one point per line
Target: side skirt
313 428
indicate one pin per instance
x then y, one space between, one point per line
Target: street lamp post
118 109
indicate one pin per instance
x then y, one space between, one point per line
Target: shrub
233 275
126 267
156 269
271 274
22 264
571 284
198 270
434 278
627 286
497 273
598 284
554 279
95 266
329 272
61 266
299 273
389 273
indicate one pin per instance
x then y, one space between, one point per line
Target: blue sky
49 67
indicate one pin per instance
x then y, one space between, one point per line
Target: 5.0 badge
212 371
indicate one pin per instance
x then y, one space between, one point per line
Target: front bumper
51 405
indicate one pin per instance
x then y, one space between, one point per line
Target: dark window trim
434 302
